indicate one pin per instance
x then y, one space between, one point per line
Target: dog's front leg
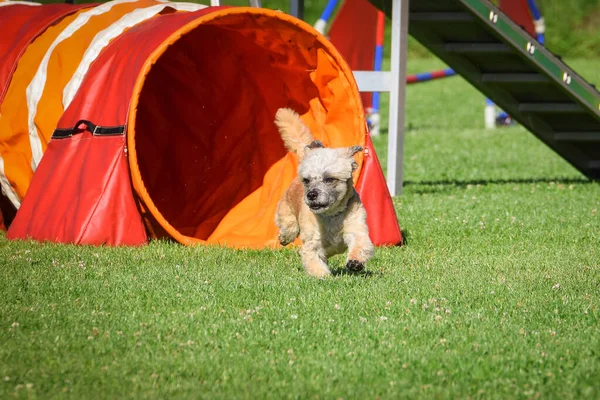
287 222
314 260
360 250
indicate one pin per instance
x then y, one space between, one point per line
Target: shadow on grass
415 128
405 237
444 184
345 272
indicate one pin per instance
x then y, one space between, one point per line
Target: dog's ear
353 150
315 144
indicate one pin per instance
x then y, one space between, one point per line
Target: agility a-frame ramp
521 76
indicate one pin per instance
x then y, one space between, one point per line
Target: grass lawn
496 293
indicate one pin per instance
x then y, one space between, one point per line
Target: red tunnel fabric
518 11
20 25
381 217
201 161
62 201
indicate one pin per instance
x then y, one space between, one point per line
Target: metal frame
395 159
532 85
394 82
297 8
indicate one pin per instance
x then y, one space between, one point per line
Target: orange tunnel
205 155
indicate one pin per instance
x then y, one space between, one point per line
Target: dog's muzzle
316 201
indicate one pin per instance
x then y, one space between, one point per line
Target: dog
321 205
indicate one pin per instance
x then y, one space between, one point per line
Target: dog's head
327 177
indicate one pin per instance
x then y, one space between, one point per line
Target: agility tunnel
131 120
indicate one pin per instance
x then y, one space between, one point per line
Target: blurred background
572 26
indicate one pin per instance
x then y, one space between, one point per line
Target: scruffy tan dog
321 204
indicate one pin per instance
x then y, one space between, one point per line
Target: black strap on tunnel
94 129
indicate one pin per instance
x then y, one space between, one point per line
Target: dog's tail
295 134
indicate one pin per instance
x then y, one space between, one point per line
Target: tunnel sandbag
172 125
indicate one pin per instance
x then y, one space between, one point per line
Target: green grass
573 27
496 293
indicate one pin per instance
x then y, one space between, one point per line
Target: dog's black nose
312 195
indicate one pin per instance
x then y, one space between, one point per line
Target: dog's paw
285 240
318 272
355 266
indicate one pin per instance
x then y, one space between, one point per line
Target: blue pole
534 10
328 11
538 20
321 24
377 67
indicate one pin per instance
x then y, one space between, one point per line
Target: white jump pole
395 159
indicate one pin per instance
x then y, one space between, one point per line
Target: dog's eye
306 181
329 180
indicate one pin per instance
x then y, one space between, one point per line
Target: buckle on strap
94 129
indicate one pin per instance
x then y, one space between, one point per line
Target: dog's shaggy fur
321 204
